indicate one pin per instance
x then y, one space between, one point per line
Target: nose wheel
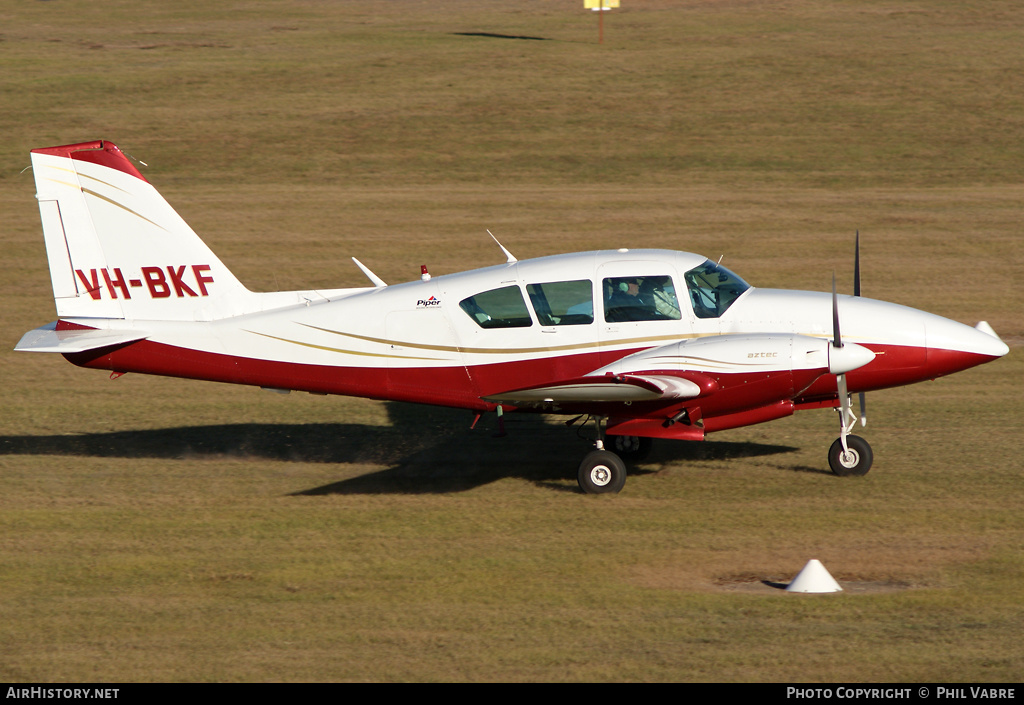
852 460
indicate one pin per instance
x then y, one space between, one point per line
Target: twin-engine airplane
648 343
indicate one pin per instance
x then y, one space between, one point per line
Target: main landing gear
603 471
630 447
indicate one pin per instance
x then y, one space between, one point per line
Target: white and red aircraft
648 343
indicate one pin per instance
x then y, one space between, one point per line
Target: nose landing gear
850 455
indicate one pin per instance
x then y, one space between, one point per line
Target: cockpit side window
498 308
568 303
713 289
640 298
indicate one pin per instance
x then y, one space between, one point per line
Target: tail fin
117 249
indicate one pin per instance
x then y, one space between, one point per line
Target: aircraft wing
603 388
49 339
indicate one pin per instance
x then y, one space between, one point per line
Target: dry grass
157 530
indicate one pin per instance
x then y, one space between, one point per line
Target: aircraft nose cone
954 346
944 334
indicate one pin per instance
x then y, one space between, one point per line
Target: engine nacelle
745 354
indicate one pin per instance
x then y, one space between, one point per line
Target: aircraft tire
630 448
857 463
601 472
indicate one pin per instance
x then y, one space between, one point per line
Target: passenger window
498 308
644 298
563 303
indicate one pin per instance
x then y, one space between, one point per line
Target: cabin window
713 289
498 308
641 298
563 303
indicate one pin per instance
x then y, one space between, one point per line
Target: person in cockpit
623 301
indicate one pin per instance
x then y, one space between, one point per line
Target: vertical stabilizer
117 249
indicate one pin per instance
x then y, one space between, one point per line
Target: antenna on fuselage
377 281
510 258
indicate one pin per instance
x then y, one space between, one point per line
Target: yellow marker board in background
597 6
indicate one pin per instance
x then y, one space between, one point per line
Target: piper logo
427 303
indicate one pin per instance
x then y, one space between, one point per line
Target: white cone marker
814 578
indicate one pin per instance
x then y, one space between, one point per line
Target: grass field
160 530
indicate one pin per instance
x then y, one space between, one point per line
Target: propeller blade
837 340
856 292
856 266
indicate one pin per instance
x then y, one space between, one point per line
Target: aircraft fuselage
414 342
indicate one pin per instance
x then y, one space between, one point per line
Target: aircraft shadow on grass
425 449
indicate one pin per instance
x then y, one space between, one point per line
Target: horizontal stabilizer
607 388
48 339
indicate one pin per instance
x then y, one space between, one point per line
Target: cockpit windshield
713 289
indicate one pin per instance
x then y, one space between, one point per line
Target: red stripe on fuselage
448 386
454 386
461 387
